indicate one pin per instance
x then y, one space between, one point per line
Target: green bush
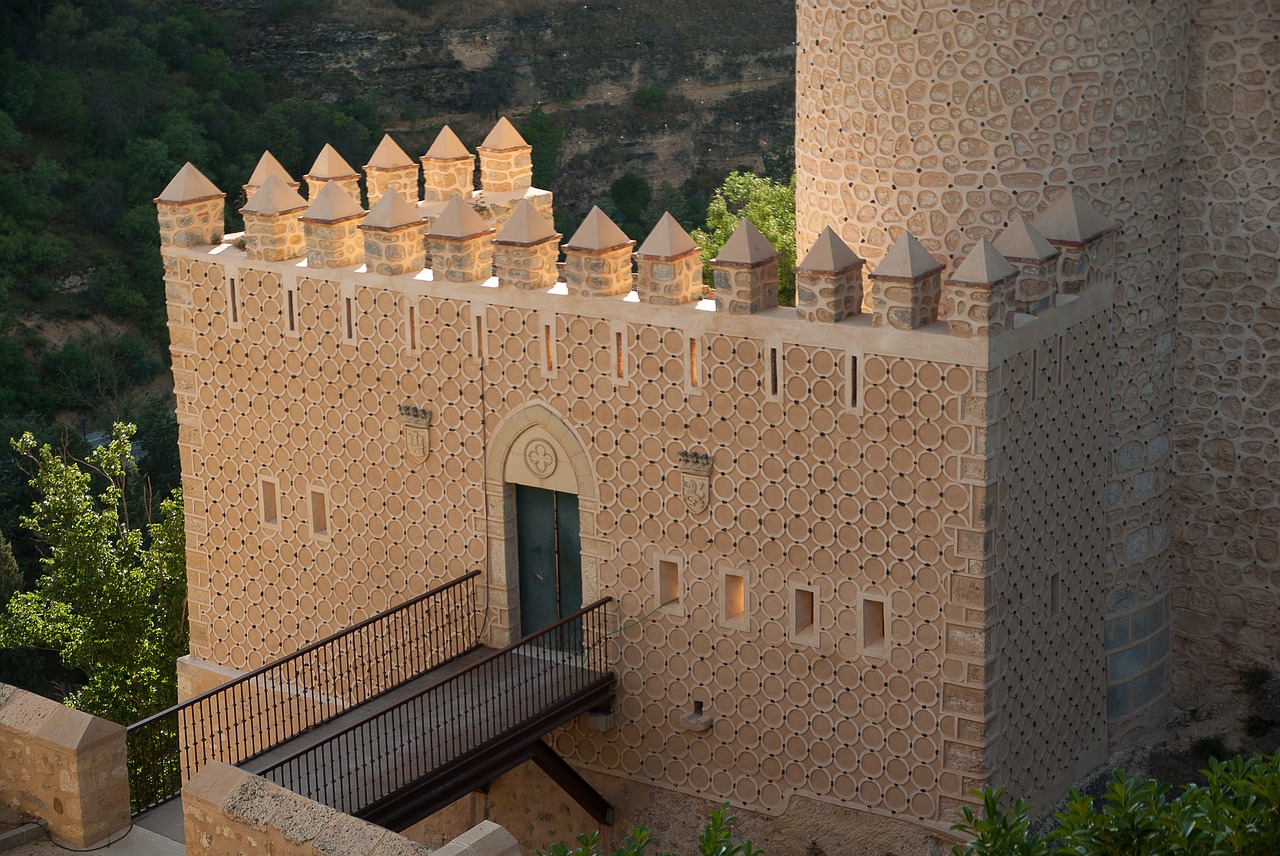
1236 812
716 840
649 98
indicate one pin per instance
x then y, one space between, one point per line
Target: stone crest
695 480
541 458
417 432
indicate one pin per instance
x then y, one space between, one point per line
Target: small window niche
1055 593
269 493
852 382
547 355
695 377
772 380
669 587
350 319
319 513
804 615
874 625
292 311
478 334
618 341
234 314
411 324
733 607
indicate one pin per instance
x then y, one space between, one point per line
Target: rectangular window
348 317
270 504
771 382
668 583
695 368
412 323
292 308
319 513
1055 593
804 615
852 381
873 626
619 356
477 331
735 599
549 345
233 300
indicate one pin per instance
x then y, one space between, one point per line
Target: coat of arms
417 432
695 480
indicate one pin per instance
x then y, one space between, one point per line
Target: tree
112 601
770 206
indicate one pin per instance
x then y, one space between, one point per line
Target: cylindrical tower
946 118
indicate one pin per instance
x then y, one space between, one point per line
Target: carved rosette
416 423
695 480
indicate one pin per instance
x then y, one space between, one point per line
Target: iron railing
523 687
250 715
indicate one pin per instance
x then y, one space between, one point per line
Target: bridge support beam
572 783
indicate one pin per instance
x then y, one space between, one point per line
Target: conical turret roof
275 196
829 254
598 233
668 240
1024 241
907 259
388 155
526 226
189 185
267 167
329 164
447 146
332 204
746 246
458 220
503 136
391 212
1072 219
983 266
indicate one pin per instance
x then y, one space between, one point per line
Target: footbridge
392 719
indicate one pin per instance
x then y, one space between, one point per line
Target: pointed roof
267 167
388 155
189 185
1070 218
275 196
829 254
746 246
391 212
332 204
907 259
526 226
1024 241
329 164
503 136
447 146
458 220
668 240
598 233
983 266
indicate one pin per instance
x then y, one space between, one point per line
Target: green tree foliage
545 136
770 206
112 599
716 840
1236 812
10 574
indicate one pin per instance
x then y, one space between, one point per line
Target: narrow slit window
270 506
413 327
478 322
619 365
804 610
873 625
550 346
349 318
235 301
668 583
319 513
853 381
1055 593
735 598
773 371
694 367
291 309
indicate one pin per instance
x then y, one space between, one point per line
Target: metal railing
248 716
518 689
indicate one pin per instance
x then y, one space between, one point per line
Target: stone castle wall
1227 396
919 116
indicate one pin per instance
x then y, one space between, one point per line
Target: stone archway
534 447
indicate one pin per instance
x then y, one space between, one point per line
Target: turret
1035 259
669 265
267 167
506 163
598 258
1085 238
906 286
448 169
330 166
978 297
390 168
393 236
272 231
459 243
746 272
330 226
526 249
829 280
190 209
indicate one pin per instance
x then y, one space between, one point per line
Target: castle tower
460 244
390 169
829 280
669 265
945 121
597 259
906 286
330 166
746 272
1036 260
330 226
506 165
978 298
267 167
393 236
448 169
525 250
272 230
190 210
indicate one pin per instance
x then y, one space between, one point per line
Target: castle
948 521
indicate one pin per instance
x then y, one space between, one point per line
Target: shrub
716 840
